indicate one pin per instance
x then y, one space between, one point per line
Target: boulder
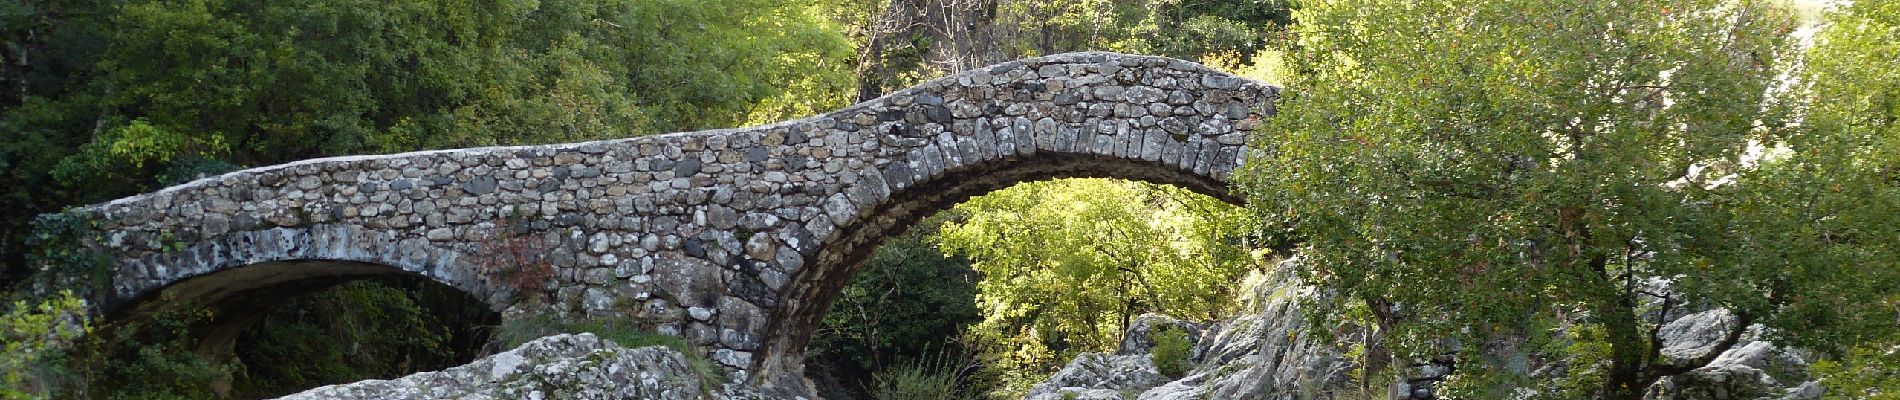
1750 370
1078 394
1256 355
579 366
1111 374
1695 335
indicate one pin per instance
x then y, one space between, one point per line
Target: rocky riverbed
1260 354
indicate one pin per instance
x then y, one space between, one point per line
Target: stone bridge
735 239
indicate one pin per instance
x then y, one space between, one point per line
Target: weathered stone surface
1751 369
556 367
1695 335
1076 393
778 216
1260 354
1095 371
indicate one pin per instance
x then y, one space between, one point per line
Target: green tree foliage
105 97
34 338
1477 170
1067 263
1186 29
1857 95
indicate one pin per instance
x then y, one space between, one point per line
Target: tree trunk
1377 358
1624 380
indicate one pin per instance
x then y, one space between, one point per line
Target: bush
1172 351
929 378
519 258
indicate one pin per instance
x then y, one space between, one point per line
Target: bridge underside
235 299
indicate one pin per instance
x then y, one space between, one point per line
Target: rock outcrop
1261 354
1265 354
1100 376
579 366
1751 369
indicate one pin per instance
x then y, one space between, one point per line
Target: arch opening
275 328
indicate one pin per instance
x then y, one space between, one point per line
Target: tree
1482 171
359 330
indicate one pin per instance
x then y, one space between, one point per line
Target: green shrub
1172 351
929 378
908 299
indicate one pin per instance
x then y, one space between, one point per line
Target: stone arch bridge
735 239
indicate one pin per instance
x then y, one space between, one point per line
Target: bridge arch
734 239
1108 116
239 278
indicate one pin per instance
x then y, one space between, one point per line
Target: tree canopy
1481 170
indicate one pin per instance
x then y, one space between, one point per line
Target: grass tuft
622 331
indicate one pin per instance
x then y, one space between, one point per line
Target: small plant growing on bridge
518 257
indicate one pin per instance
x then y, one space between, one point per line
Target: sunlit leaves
1075 258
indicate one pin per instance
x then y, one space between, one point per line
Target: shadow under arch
230 283
238 297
